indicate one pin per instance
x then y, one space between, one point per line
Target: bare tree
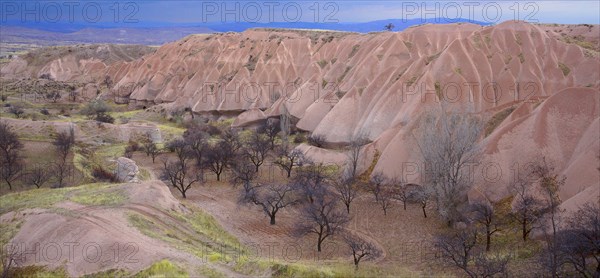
219 156
63 144
354 152
360 248
347 188
11 164
288 159
376 184
10 257
38 175
256 149
150 147
459 249
400 191
421 195
311 180
484 214
271 198
580 243
179 176
322 217
270 128
197 139
385 199
527 208
449 147
389 27
549 185
285 125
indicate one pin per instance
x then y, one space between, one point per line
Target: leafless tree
288 159
219 156
10 258
271 198
385 199
270 128
459 249
549 185
38 175
389 27
580 242
449 147
322 217
63 144
360 248
180 174
400 191
311 180
197 139
484 214
256 149
11 164
285 125
421 195
347 188
354 152
244 174
151 149
527 208
376 184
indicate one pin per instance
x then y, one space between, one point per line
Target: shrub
316 140
101 174
105 118
45 111
16 110
300 138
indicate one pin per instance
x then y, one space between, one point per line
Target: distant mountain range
160 33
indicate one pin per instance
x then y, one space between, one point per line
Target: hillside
341 85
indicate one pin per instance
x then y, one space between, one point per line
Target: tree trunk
289 172
218 176
273 219
424 212
183 194
488 240
404 203
348 208
319 241
524 227
9 184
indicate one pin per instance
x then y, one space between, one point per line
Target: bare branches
483 213
271 198
360 248
347 188
321 217
287 159
10 161
256 149
449 146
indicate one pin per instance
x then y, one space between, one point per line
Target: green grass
89 194
564 68
100 197
163 268
210 272
35 271
111 273
497 119
35 198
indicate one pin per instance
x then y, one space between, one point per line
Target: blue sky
144 13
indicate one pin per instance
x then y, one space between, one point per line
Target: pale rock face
126 170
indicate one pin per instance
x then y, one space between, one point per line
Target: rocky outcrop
126 170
